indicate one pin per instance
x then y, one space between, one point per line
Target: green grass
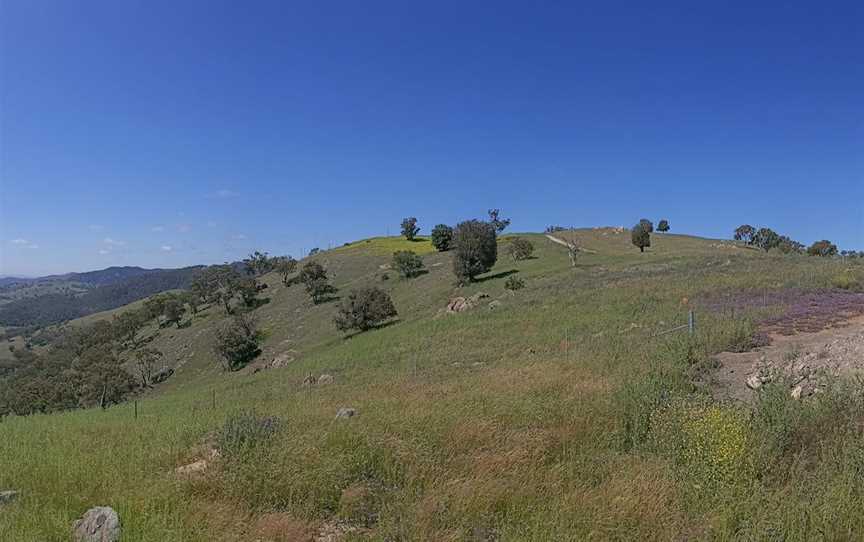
539 420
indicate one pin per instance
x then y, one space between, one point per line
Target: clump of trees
476 249
442 237
745 232
258 263
364 309
222 284
407 263
410 228
640 234
314 278
520 249
663 226
237 342
823 248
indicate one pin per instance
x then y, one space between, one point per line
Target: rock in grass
345 413
100 524
325 379
7 496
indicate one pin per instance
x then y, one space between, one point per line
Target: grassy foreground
555 416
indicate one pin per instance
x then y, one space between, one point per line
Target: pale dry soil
803 359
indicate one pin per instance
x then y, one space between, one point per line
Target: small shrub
823 248
442 237
237 342
520 249
244 431
364 309
407 263
663 226
710 442
514 283
847 281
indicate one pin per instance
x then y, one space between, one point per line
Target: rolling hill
57 298
555 412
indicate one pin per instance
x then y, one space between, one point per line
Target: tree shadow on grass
388 323
501 275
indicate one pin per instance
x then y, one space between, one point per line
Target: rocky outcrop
100 524
345 413
8 496
462 304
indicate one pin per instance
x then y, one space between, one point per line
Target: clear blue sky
161 133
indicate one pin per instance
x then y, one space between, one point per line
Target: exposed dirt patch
804 360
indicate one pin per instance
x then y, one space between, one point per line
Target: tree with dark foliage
410 228
745 233
364 309
285 266
476 249
823 248
663 226
442 237
237 342
640 235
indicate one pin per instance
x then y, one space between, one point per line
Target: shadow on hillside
501 275
378 326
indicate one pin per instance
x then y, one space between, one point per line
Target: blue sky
173 133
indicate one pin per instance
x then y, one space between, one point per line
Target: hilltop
553 412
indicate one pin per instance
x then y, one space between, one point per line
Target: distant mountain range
56 298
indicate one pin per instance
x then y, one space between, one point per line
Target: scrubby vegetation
640 234
407 263
314 277
520 249
410 229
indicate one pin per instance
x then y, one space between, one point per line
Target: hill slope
557 415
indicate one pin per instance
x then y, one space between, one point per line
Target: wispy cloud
167 248
211 224
104 251
238 236
23 243
184 228
113 242
94 227
224 193
157 228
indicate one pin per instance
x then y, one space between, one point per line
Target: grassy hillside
555 416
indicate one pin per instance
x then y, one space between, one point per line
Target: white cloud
157 228
211 224
167 248
94 227
18 241
238 236
113 242
32 245
184 228
104 251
